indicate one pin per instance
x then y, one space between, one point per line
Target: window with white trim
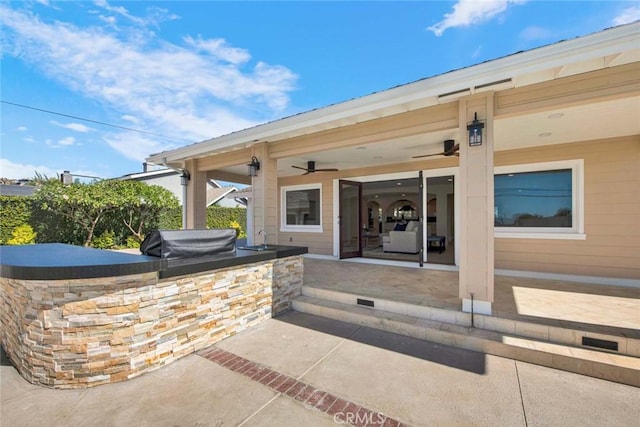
542 200
302 208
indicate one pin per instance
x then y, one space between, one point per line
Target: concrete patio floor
606 309
412 381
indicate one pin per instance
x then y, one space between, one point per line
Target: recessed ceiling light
544 134
555 115
398 183
403 195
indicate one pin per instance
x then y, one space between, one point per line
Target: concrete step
613 367
626 341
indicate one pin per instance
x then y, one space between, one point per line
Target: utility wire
91 121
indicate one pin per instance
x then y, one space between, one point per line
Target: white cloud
155 15
22 128
533 33
11 170
78 127
218 48
467 12
627 16
69 140
110 20
130 118
190 92
63 142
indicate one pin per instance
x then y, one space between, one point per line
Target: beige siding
611 217
611 200
318 243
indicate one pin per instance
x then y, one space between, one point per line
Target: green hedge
19 210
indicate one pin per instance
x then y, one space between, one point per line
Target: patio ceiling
607 119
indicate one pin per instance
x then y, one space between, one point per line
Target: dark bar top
58 261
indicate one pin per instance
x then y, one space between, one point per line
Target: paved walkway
301 370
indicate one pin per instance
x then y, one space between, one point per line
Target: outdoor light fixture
185 177
254 166
475 131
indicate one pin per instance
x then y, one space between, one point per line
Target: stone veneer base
86 332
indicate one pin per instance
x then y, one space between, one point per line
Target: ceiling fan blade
298 167
326 170
430 155
454 150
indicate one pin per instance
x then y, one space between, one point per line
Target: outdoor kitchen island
74 317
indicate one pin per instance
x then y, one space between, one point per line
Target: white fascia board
607 42
150 174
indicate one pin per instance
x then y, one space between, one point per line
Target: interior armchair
407 240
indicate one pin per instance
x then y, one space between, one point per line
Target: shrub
22 235
104 241
14 211
239 231
132 242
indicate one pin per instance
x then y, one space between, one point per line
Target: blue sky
186 71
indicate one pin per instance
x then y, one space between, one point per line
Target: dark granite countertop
57 261
181 267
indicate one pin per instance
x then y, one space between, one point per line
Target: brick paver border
343 411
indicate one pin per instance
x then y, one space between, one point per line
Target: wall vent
365 302
603 344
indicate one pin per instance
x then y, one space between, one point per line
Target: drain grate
604 344
365 302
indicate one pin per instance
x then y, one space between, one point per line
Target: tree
83 204
106 206
142 205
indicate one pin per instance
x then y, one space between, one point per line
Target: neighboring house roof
17 190
512 71
215 190
243 193
214 195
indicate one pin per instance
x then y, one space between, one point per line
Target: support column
476 208
265 197
196 197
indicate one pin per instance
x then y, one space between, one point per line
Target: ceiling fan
311 168
450 149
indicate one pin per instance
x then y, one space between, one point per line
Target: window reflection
534 199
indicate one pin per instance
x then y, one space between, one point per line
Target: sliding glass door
350 219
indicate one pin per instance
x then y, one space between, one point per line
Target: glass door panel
350 219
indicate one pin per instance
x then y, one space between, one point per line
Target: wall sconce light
254 166
185 177
475 131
